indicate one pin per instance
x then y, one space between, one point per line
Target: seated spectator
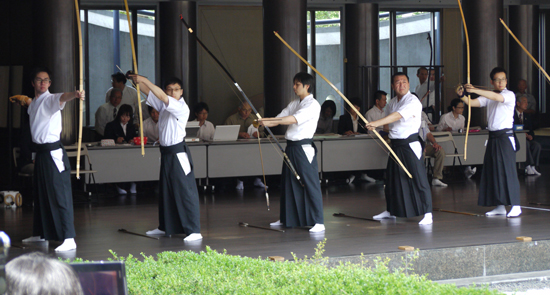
349 123
107 112
453 120
36 273
129 95
244 118
433 149
377 111
328 110
150 128
119 130
533 148
531 101
206 128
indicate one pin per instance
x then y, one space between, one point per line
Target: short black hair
305 79
328 104
150 109
454 104
119 77
200 106
38 70
420 69
172 80
496 71
378 94
125 109
399 74
355 101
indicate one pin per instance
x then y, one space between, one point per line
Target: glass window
385 51
328 52
412 47
109 48
146 44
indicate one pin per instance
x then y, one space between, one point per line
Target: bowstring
232 87
278 151
370 134
215 40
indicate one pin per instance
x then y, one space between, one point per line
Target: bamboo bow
429 72
285 157
467 80
524 49
81 87
136 72
346 100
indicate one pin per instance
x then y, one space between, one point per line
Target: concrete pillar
486 45
55 43
362 49
524 23
288 18
177 48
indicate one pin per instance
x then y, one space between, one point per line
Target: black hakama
405 196
301 206
53 198
179 210
499 178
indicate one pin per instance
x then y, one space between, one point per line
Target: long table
242 157
124 163
362 152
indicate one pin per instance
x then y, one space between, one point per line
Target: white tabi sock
68 245
155 231
193 237
317 228
258 182
428 219
240 185
383 215
120 190
33 239
499 210
276 223
514 212
365 177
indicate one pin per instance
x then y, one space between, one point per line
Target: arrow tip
181 16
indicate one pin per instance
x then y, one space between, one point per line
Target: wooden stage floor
97 224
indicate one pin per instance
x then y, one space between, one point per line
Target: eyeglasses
500 80
459 107
40 81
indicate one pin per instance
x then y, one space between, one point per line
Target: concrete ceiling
404 4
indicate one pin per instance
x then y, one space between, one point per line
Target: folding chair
446 136
72 152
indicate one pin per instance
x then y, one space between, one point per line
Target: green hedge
211 272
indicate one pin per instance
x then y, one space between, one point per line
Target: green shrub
211 272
